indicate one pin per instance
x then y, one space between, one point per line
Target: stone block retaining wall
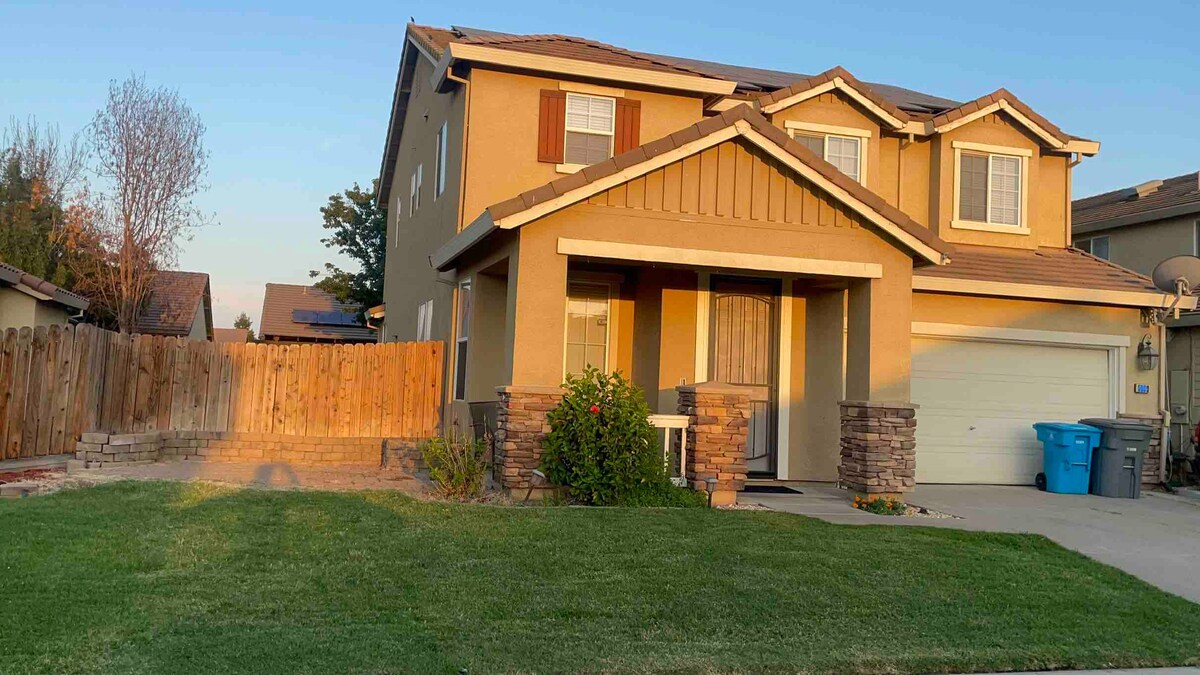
99 450
879 447
718 426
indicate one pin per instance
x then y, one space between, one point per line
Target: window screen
812 142
589 129
842 152
1006 190
972 187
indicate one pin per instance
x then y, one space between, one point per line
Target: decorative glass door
742 351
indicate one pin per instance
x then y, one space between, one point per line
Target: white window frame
414 189
462 335
396 221
610 289
439 183
568 167
1021 154
863 136
425 321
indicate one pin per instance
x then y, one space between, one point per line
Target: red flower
595 409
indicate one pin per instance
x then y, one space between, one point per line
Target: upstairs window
439 167
844 148
424 321
414 190
589 129
1097 246
990 188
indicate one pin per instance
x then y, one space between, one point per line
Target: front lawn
172 577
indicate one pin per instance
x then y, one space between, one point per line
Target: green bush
601 446
457 464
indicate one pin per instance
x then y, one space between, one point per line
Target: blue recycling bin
1067 455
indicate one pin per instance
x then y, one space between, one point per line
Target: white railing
668 423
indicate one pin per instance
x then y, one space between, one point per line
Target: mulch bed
27 474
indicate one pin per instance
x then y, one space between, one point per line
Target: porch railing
668 424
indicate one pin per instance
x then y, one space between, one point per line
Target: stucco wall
19 309
199 326
1141 247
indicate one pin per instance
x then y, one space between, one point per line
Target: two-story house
1138 227
556 202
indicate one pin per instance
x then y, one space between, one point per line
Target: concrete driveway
1156 538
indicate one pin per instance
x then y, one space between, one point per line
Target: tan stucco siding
502 152
1046 185
409 280
1051 316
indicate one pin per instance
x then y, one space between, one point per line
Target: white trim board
718 259
1017 291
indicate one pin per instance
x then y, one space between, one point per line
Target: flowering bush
881 505
601 447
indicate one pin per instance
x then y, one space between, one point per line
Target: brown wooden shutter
628 125
552 120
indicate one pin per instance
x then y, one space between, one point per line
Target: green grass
171 577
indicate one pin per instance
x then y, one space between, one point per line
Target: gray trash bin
1117 461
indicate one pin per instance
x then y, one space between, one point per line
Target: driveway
1156 538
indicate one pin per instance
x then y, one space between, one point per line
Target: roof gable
740 122
839 79
997 101
174 301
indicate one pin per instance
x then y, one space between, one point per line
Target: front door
742 351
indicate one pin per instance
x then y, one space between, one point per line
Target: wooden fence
58 382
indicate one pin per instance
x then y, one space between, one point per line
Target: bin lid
1066 426
1109 423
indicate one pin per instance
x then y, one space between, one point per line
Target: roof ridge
541 37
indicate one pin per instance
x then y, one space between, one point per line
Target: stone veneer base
718 425
521 426
878 448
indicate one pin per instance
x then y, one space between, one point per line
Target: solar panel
325 318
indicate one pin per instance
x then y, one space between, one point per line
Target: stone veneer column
521 427
718 424
879 447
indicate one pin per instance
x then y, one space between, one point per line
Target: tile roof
749 80
995 97
13 276
281 299
1179 192
231 335
171 307
827 76
704 128
1044 267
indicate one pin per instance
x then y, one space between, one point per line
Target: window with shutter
589 130
551 118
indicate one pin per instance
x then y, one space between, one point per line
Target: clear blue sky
296 94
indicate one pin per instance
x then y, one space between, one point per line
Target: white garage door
979 399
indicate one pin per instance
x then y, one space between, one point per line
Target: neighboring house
179 305
295 313
817 238
26 300
231 335
1139 227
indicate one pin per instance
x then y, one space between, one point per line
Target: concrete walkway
1156 538
1127 671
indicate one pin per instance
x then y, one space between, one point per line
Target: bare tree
149 156
56 165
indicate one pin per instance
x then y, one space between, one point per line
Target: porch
761 353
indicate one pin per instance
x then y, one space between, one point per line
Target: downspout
462 173
1164 442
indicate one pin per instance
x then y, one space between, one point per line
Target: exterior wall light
1147 355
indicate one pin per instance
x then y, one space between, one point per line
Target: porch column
878 423
718 425
537 290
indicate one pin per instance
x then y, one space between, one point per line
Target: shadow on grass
190 577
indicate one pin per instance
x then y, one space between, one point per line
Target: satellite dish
1178 275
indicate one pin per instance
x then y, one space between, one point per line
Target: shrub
457 464
601 446
881 506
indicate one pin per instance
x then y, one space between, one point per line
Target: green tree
243 321
358 229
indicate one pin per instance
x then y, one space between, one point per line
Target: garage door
979 399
